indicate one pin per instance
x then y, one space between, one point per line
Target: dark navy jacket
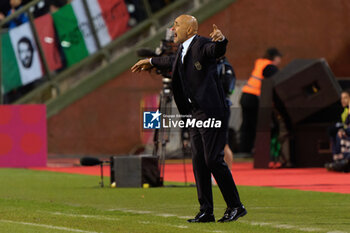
200 72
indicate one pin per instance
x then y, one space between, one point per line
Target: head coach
198 92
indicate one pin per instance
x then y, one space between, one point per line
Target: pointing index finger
215 27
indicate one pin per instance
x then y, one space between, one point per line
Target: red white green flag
110 18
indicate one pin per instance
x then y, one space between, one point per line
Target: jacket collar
192 41
188 42
178 53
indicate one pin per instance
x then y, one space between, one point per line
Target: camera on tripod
167 47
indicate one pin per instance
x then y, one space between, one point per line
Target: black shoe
203 217
232 214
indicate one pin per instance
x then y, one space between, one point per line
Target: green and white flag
20 61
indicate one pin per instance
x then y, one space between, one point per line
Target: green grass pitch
39 201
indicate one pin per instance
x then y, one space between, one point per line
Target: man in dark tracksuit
198 92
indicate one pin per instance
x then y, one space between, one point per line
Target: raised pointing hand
216 35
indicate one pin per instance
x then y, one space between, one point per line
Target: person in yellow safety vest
340 127
264 68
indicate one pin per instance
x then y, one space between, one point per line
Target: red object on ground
308 179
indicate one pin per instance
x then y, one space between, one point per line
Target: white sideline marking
132 211
176 226
165 215
284 226
182 226
83 216
337 232
262 208
47 226
164 224
145 222
310 229
257 223
272 225
281 226
185 217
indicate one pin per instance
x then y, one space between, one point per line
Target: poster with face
26 52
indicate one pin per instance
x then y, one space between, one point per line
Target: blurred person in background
55 5
2 16
48 6
264 67
136 11
22 18
340 130
340 139
156 5
4 8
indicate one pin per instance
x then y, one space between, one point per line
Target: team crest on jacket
198 65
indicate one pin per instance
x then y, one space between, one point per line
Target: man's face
15 3
180 29
344 99
277 60
25 54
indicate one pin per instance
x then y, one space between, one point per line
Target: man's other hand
141 65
